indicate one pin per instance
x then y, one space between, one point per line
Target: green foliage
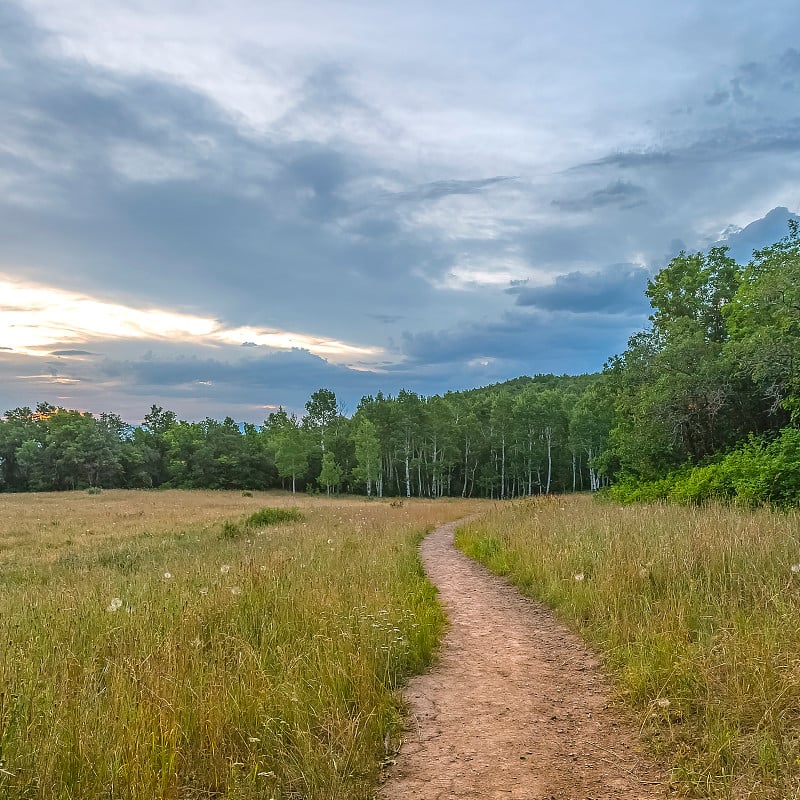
763 471
331 472
273 516
765 320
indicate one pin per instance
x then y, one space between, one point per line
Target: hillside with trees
703 403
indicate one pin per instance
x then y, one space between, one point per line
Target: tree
368 456
407 416
765 321
321 410
695 287
331 474
292 451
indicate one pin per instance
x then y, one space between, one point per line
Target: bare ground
516 707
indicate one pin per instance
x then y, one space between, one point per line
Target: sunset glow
35 319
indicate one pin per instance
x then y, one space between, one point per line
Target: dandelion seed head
330 541
167 575
795 568
579 576
662 702
236 590
225 569
115 604
262 568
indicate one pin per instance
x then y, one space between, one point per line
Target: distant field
156 645
696 612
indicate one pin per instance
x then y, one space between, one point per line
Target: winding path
516 706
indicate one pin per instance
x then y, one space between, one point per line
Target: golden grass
696 612
149 651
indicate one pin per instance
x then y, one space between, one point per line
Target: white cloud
37 318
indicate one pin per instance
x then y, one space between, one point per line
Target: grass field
696 612
174 645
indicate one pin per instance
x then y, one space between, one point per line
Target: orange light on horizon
37 318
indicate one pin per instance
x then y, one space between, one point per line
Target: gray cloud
131 184
622 194
630 160
445 188
526 343
617 289
742 241
71 353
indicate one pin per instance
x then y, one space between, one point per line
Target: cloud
36 316
618 289
629 160
773 226
446 188
72 353
349 190
623 194
526 342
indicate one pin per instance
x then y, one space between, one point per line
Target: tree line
531 435
704 402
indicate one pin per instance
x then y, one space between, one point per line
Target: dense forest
703 403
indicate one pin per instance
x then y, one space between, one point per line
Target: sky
220 208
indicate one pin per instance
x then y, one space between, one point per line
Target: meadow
184 644
696 613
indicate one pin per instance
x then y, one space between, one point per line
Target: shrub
273 516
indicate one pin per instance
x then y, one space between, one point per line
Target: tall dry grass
696 612
154 645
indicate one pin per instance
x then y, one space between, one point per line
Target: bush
273 516
759 472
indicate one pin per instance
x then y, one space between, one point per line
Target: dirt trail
516 706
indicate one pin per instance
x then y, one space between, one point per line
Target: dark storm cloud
531 342
618 289
621 194
285 370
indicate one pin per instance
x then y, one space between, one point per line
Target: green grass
163 660
273 516
696 612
